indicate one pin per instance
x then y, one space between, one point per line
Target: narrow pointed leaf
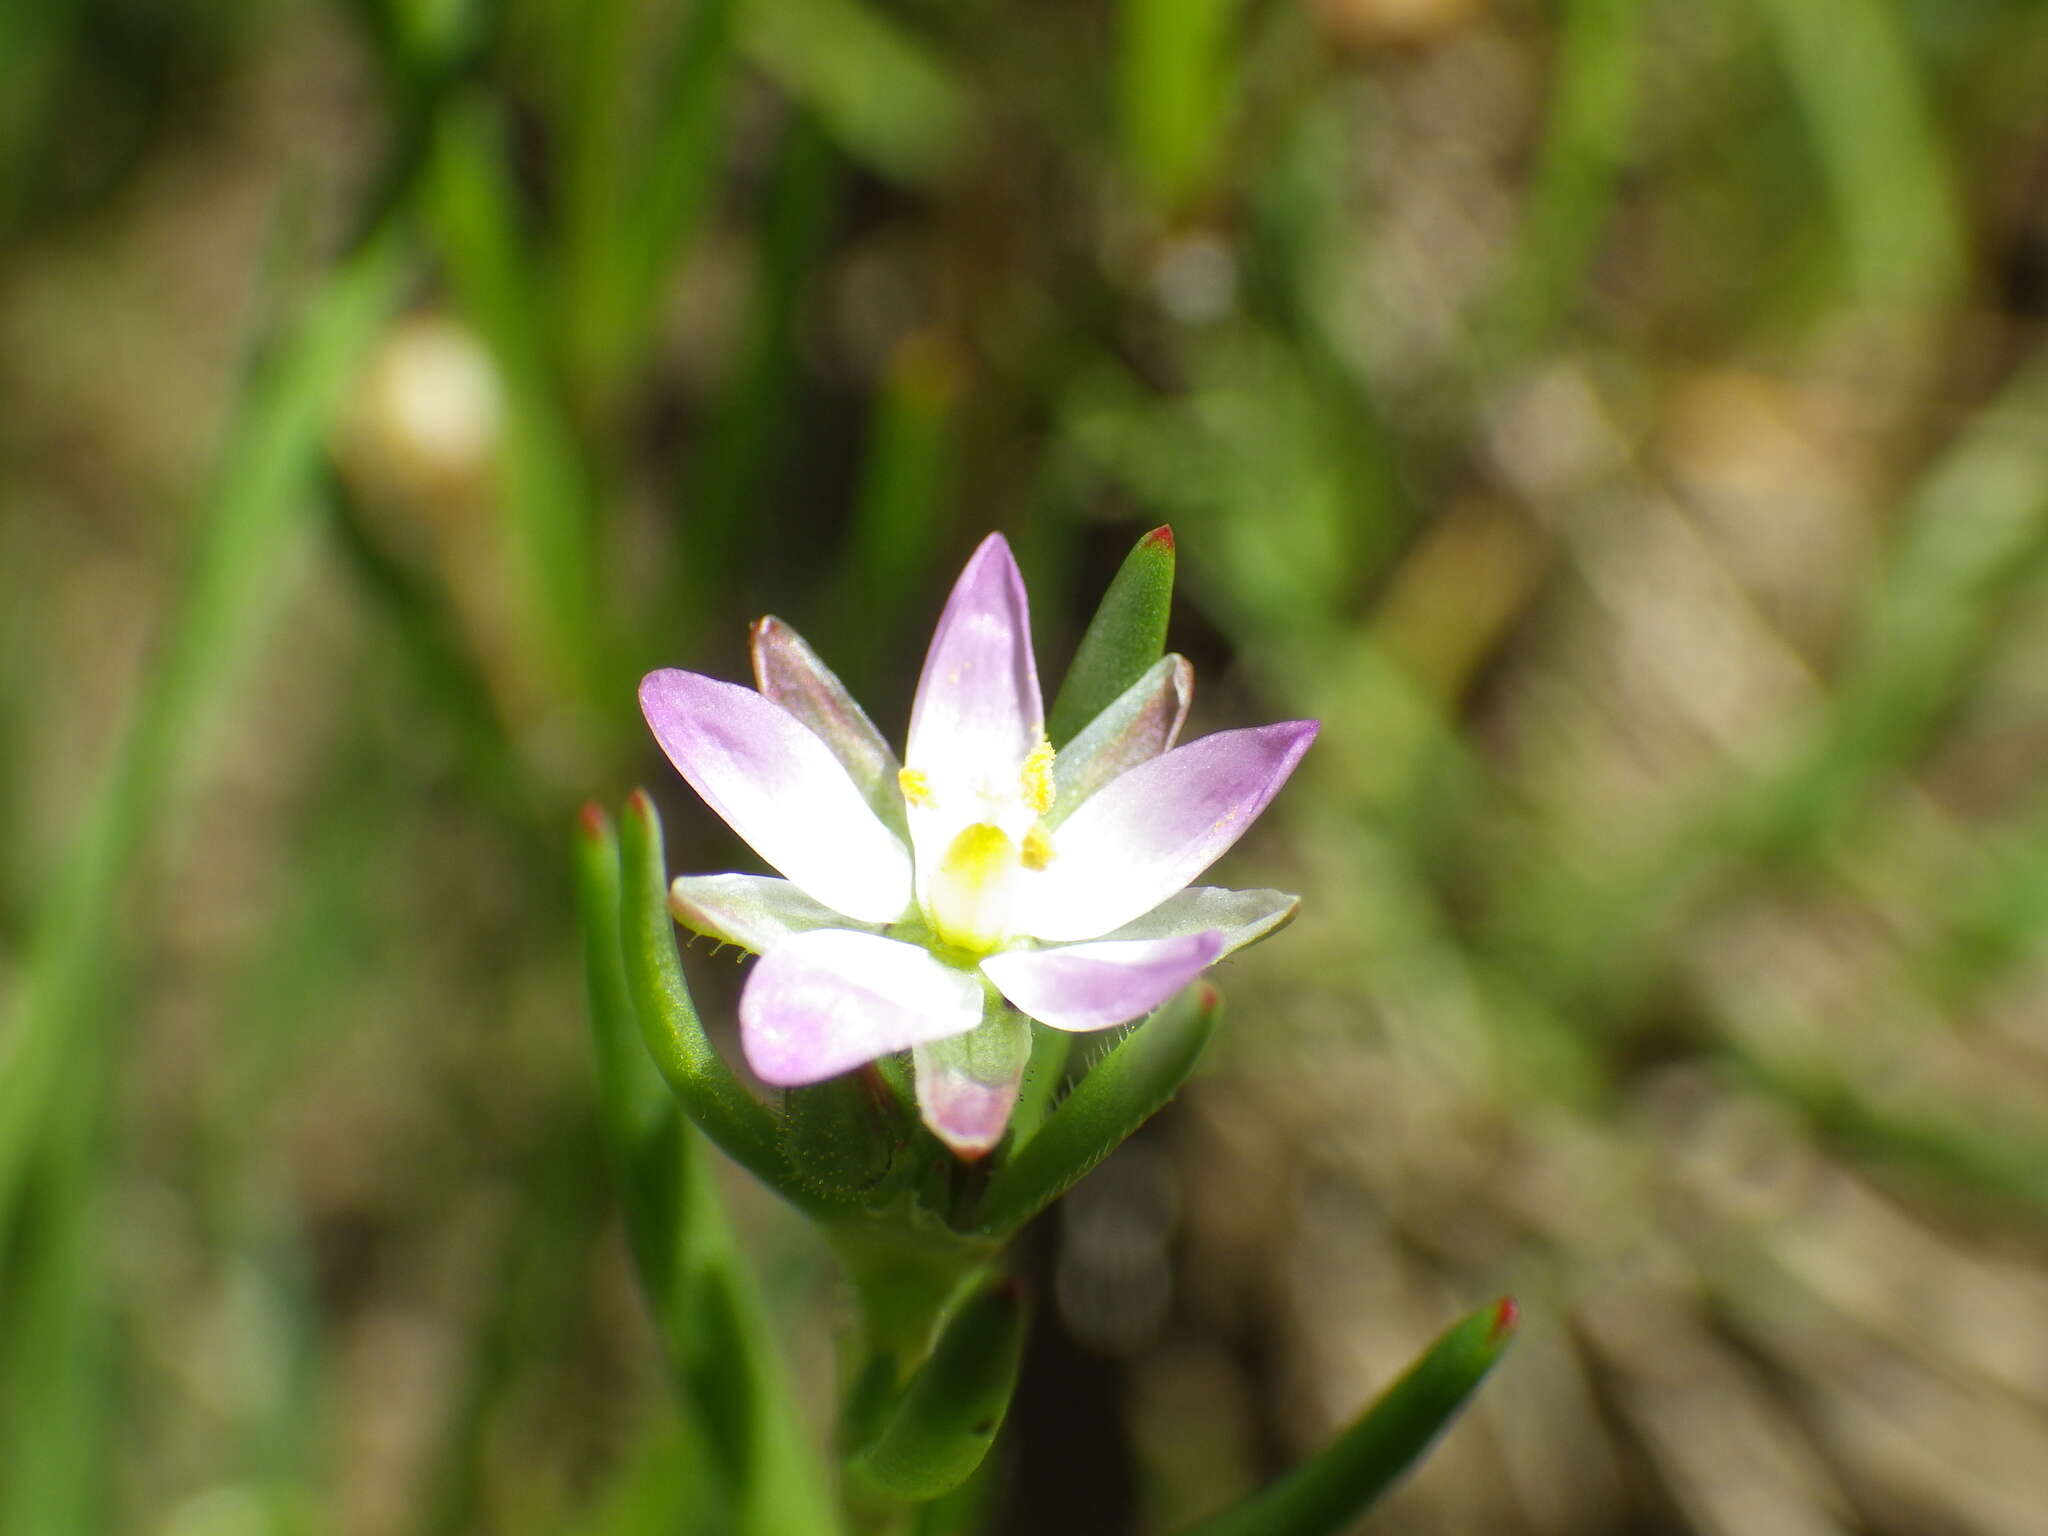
1123 1090
673 1033
705 1304
946 1419
1125 638
1044 1075
1323 1496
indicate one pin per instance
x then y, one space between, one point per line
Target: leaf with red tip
706 1304
1125 638
674 1035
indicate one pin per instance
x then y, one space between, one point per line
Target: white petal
826 1002
1148 832
1095 986
967 1086
752 911
779 787
978 708
1144 721
1242 917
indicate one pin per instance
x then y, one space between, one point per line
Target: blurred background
1624 422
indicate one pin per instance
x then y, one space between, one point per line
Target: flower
983 867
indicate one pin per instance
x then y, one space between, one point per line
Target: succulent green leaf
1324 1495
1044 1074
1122 1091
669 1026
845 1137
705 1304
946 1419
1125 638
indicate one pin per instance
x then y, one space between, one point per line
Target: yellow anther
916 787
1037 776
1037 848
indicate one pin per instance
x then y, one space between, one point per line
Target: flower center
972 889
975 834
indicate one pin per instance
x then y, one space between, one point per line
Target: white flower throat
978 838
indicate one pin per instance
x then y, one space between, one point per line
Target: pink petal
1147 833
781 789
752 911
788 671
1093 986
967 1086
1242 917
825 1002
1144 721
978 706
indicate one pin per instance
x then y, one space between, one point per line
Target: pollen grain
1037 777
916 787
1037 850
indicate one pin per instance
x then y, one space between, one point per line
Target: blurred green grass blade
1126 636
658 1490
548 493
618 281
886 94
706 1305
241 548
1587 143
1976 525
590 48
941 1428
56 1398
449 677
1852 69
669 1026
1123 1090
1990 1153
1325 1495
526 1313
1176 80
901 503
35 37
725 490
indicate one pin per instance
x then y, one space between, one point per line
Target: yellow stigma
916 787
1037 776
968 901
1037 848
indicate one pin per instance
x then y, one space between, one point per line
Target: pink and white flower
983 866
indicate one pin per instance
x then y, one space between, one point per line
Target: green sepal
669 1026
1120 1093
1126 636
943 1424
1044 1074
1324 1495
846 1138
